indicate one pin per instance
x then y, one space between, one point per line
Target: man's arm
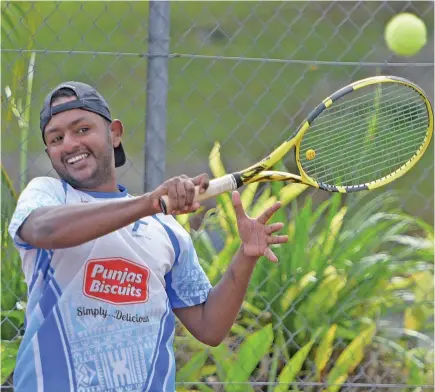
210 322
64 226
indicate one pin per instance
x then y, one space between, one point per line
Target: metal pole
156 94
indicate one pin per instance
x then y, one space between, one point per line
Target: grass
248 106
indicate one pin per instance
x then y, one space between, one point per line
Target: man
106 271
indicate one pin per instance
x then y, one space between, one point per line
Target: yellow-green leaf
222 260
416 316
250 353
183 220
293 367
318 303
291 192
247 196
215 163
190 370
263 202
335 227
324 351
294 290
350 358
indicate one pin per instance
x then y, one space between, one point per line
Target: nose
70 143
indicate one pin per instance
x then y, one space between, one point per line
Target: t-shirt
100 315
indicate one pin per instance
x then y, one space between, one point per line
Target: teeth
77 158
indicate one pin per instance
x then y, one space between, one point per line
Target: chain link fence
350 305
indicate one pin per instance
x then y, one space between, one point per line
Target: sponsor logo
116 281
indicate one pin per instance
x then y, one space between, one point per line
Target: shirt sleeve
40 192
186 283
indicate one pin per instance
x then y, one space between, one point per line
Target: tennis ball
405 34
310 154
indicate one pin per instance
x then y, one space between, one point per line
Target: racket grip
216 187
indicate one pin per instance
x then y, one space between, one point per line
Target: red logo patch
116 280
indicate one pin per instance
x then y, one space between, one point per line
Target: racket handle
216 187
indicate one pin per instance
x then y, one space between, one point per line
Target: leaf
17 315
215 163
223 359
291 192
293 367
222 260
225 210
294 290
350 358
313 311
324 351
251 351
247 196
9 351
190 371
416 316
183 220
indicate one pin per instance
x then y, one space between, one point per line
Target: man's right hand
181 193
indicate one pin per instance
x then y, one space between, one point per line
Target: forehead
64 120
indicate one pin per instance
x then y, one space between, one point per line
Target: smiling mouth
77 158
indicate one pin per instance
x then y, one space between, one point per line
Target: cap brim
119 156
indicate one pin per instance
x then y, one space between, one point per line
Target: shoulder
49 184
44 189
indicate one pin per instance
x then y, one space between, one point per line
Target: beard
100 175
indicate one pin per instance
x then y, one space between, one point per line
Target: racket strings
334 123
387 92
367 137
359 125
392 168
340 140
358 165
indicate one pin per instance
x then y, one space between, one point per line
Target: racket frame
260 172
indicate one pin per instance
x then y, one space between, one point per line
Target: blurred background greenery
375 252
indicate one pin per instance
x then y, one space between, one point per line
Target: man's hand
181 193
255 234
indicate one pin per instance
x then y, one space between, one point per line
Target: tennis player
108 272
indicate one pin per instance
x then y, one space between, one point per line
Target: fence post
156 94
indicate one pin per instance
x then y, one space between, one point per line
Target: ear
117 130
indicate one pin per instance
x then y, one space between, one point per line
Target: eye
83 129
56 139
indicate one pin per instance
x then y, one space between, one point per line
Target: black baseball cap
88 98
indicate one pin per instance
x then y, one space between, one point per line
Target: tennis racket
364 136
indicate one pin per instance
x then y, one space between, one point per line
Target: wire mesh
244 75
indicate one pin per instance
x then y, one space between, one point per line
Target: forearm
71 225
224 301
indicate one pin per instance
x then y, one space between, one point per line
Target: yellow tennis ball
405 34
310 154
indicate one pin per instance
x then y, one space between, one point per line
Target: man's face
80 146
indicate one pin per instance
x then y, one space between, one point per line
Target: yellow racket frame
259 171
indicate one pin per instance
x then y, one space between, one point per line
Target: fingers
237 204
202 181
270 255
273 240
266 215
274 227
181 193
277 239
172 194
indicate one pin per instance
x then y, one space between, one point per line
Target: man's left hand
255 233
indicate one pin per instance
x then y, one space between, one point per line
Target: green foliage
349 263
10 11
13 288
